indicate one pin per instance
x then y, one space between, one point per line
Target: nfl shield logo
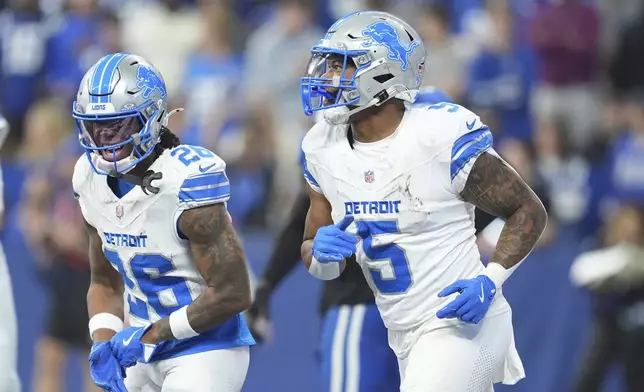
368 176
119 211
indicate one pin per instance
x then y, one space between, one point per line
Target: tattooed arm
497 189
218 255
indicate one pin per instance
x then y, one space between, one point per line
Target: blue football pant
355 353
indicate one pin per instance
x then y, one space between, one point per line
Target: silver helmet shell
127 94
389 57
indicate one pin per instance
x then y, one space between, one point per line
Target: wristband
104 321
497 273
180 326
324 271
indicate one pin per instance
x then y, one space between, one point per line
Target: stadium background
559 84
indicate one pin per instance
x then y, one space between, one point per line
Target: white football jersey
417 233
142 241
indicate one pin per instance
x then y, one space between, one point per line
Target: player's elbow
538 213
243 300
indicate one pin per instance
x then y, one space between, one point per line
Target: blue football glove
128 348
473 302
332 244
105 369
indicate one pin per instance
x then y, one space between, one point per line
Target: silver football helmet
120 109
387 54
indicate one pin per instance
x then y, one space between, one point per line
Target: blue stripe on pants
355 354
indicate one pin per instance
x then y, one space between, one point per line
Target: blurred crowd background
559 82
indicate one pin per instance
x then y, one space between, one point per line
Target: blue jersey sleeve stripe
307 174
477 142
208 193
467 139
204 180
309 177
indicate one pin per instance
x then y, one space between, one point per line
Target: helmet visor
110 133
328 76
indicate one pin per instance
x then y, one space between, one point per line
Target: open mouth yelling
115 154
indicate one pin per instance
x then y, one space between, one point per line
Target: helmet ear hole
383 78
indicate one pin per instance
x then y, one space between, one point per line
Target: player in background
158 226
397 188
9 380
346 304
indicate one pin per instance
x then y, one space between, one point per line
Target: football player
347 304
158 225
397 187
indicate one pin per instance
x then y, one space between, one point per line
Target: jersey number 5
390 268
165 294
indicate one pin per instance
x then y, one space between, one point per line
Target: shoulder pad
198 176
190 160
322 135
442 124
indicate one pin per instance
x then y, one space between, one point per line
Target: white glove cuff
104 321
497 273
324 271
180 326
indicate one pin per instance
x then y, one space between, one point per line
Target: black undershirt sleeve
286 254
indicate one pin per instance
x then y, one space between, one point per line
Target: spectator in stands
626 156
565 36
565 173
211 87
251 175
276 56
615 277
23 41
74 47
164 32
501 79
625 70
444 65
53 227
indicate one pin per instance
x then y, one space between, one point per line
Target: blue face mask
114 137
327 79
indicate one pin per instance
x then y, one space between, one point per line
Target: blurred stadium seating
564 82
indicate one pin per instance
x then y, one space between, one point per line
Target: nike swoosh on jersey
205 169
470 126
482 296
127 341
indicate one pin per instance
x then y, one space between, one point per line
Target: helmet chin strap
145 182
340 115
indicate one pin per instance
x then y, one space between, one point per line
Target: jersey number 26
150 274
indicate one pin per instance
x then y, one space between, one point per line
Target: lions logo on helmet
381 57
120 109
381 33
149 81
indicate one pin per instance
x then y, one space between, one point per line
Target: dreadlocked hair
167 140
